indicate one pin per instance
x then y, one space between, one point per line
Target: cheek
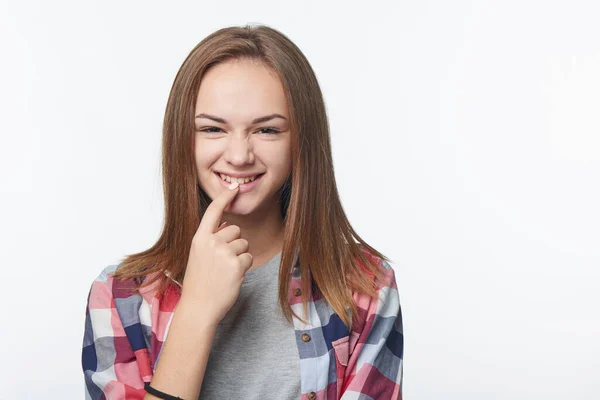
205 155
286 159
203 162
275 153
280 164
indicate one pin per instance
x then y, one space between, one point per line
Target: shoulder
387 301
102 284
105 287
388 282
106 274
115 304
389 277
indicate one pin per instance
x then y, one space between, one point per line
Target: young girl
258 287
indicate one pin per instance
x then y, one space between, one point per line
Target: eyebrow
254 121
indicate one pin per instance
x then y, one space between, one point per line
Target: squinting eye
209 129
214 129
273 131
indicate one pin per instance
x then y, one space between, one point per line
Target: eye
273 131
266 131
209 129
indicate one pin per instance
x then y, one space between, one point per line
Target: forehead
242 90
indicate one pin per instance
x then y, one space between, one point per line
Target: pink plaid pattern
125 331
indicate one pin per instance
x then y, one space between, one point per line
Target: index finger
212 216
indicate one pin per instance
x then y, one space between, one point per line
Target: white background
466 140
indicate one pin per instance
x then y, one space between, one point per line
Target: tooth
239 180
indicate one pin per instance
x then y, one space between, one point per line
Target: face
242 128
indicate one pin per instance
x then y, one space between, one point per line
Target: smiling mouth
236 179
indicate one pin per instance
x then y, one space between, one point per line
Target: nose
239 150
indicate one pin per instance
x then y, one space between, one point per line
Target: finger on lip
214 211
234 185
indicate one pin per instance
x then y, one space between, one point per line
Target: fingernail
233 185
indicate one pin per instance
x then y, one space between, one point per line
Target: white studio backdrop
466 139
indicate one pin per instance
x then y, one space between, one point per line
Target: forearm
181 367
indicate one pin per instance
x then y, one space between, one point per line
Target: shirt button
305 337
297 292
312 395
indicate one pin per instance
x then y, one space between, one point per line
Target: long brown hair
317 236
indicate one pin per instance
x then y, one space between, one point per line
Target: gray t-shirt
254 353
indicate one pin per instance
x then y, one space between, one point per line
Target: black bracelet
159 394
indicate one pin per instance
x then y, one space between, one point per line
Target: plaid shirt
125 331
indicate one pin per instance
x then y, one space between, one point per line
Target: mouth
244 186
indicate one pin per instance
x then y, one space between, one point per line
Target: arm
110 366
375 366
180 370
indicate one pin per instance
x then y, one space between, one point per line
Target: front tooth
238 180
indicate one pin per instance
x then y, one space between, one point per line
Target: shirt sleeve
109 364
375 366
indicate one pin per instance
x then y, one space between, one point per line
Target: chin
239 209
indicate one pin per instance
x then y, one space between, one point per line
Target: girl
258 287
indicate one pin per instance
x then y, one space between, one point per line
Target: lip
244 187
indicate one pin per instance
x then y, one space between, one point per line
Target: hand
217 262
